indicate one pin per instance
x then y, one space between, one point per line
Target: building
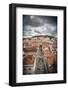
31 59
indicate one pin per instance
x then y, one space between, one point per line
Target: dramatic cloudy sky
39 25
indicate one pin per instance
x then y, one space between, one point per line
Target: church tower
41 66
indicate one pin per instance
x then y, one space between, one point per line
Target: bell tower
41 66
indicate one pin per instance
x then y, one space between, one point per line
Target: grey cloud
39 25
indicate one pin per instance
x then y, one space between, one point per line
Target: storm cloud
39 25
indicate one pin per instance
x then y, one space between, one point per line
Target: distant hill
41 36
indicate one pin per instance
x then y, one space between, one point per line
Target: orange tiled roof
28 60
